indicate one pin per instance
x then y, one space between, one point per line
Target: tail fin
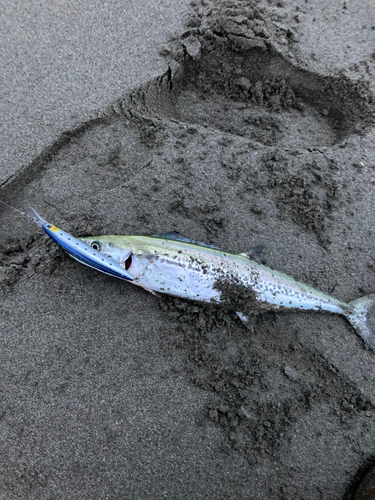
359 317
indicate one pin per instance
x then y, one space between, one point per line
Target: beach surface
235 123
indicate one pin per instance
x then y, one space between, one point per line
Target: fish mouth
102 268
128 262
84 257
125 263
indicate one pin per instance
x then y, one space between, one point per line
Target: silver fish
172 264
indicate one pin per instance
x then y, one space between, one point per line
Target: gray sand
64 63
248 138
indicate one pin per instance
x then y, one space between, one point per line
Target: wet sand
258 129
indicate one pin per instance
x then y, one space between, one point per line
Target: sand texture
253 126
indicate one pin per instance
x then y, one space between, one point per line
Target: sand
258 129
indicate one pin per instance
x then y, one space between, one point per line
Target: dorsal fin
254 253
171 235
176 236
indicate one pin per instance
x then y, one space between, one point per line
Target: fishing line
30 214
16 209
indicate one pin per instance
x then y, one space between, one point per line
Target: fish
172 264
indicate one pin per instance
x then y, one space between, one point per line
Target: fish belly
179 281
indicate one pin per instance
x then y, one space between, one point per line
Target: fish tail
359 315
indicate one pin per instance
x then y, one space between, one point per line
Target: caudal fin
359 317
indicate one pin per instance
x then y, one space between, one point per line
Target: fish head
132 253
114 247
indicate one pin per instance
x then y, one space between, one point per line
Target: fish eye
95 245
